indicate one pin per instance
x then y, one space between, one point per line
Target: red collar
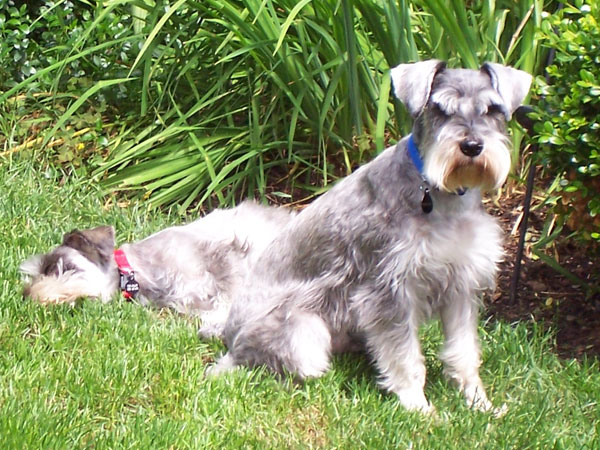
127 282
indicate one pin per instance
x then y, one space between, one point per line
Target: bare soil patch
543 294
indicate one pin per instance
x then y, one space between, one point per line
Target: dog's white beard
66 287
450 170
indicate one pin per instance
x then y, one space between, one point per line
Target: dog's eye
71 267
58 267
437 109
50 270
494 109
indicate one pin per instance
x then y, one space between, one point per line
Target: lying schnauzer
193 269
403 239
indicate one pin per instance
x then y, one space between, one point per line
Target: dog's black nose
471 147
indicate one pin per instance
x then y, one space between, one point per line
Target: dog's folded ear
412 83
96 244
512 84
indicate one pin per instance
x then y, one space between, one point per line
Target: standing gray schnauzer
403 239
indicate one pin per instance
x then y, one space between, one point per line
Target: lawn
121 376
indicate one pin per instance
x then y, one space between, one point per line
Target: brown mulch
543 294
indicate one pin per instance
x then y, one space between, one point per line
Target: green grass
121 376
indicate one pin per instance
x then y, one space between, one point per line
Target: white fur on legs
310 345
304 351
401 366
213 321
461 354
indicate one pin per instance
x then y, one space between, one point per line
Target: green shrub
568 126
264 88
51 58
38 34
228 99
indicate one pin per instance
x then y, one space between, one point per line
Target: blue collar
415 156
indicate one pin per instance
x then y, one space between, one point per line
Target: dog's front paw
477 400
208 331
487 407
414 400
500 411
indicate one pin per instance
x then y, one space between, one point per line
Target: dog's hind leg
213 321
297 342
309 344
225 364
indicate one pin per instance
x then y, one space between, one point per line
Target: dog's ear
412 83
96 244
512 84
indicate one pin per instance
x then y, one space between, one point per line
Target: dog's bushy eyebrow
56 263
436 107
50 264
446 100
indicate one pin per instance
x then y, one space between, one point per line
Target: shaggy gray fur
365 261
193 269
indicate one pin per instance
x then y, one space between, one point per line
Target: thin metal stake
521 114
514 283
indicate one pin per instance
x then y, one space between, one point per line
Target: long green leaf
286 25
151 37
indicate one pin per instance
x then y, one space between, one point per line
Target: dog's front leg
461 354
395 346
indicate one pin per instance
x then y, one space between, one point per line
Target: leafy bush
42 41
54 57
258 85
227 99
569 116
